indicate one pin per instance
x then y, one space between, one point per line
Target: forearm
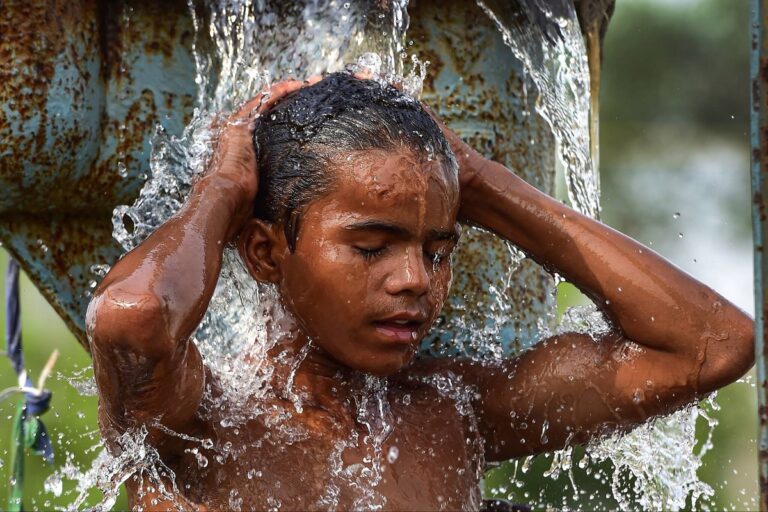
653 302
178 265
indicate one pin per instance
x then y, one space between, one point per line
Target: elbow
132 322
730 355
745 347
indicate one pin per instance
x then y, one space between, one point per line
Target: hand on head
234 158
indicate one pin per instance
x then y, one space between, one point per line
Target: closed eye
370 253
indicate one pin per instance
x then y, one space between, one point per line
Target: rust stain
43 33
61 116
56 252
594 16
70 94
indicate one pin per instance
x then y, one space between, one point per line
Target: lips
400 328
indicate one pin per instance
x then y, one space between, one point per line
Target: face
372 266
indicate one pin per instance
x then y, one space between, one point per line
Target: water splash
82 380
652 467
134 459
655 465
547 39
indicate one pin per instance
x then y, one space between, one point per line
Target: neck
303 368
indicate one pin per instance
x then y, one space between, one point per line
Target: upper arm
571 387
143 374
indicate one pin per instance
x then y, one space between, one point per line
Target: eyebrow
400 231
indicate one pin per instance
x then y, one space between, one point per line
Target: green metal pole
759 129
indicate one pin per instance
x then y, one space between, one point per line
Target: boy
345 195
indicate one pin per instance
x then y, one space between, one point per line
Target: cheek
321 286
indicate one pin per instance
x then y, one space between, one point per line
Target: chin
384 366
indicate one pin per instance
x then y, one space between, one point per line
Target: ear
261 246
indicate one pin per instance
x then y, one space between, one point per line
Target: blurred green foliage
682 64
71 421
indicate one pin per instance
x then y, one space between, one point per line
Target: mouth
400 328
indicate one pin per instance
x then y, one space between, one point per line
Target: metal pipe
759 171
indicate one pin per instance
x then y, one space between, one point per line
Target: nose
410 277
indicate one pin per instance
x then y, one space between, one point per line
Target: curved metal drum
84 84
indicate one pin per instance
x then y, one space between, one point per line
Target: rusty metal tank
85 83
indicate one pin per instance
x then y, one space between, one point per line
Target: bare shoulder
573 386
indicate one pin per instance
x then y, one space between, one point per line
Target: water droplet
392 454
544 439
679 235
53 484
676 215
235 500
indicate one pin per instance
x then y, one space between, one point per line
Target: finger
399 85
364 74
245 111
266 99
216 122
277 92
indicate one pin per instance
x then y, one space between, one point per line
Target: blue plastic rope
35 404
13 317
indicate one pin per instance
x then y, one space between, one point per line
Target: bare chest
420 455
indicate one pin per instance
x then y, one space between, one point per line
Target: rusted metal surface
759 118
83 85
490 109
65 248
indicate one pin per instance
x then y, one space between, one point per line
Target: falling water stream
652 467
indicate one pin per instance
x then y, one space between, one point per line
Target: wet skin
369 274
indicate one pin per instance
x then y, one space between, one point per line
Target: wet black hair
296 140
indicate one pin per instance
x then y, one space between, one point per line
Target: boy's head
355 218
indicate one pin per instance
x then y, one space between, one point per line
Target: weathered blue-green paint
84 85
759 120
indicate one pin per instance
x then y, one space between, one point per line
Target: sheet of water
237 332
657 461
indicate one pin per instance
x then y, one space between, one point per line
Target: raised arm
673 339
144 311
